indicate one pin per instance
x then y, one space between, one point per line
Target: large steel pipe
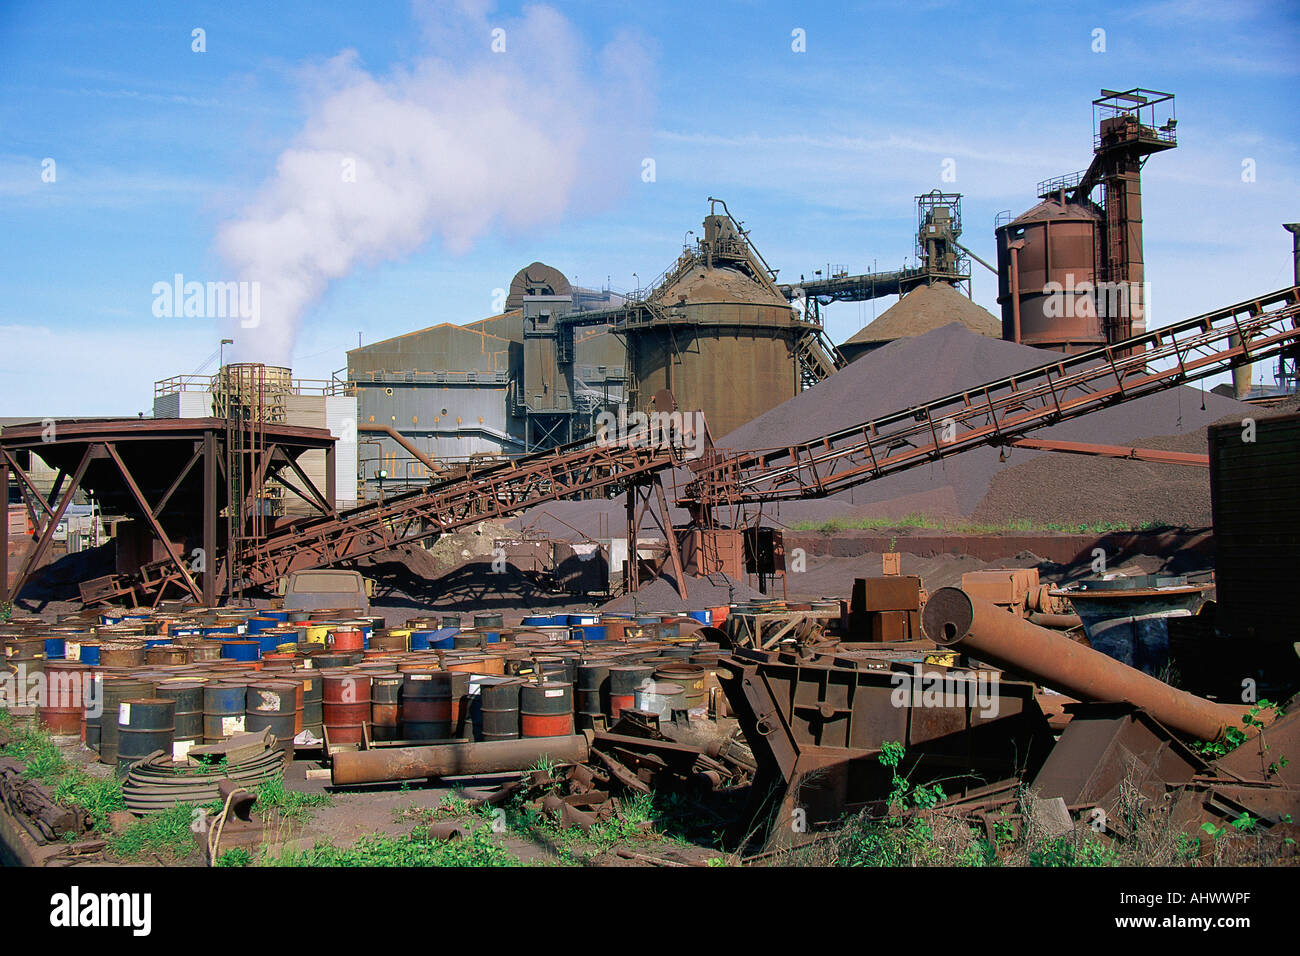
453 759
954 619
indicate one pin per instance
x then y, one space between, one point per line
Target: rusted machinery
817 724
955 619
995 413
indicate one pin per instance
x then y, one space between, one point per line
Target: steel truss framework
169 472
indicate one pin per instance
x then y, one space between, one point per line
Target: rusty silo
1047 274
1089 224
718 333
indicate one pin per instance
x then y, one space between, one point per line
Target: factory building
503 385
714 329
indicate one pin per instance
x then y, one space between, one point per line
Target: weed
273 797
1234 737
477 849
236 857
1086 850
166 835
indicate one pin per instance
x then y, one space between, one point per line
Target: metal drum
122 653
490 625
167 654
62 705
399 641
313 696
624 682
385 705
272 705
434 704
546 709
187 695
245 651
115 690
469 640
345 640
662 698
592 700
144 725
692 679
224 710
499 706
347 705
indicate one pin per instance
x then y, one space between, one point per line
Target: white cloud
449 148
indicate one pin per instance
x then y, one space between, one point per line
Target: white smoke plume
460 143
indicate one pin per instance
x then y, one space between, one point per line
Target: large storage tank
1048 265
717 335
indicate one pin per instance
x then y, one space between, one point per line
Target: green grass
272 797
480 848
166 836
73 787
955 526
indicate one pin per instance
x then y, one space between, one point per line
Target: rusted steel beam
33 557
1156 455
151 516
1001 411
453 759
953 618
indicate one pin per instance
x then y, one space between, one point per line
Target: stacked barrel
141 681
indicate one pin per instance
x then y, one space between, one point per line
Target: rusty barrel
63 702
187 695
167 654
144 724
122 653
499 706
546 709
115 690
591 701
272 705
624 681
346 705
225 706
394 640
433 704
385 705
345 640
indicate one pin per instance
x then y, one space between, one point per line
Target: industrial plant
1021 579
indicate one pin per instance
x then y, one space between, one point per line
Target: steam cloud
462 142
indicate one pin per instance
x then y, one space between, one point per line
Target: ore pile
912 371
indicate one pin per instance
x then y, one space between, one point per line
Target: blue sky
157 148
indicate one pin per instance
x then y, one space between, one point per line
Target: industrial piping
453 759
952 618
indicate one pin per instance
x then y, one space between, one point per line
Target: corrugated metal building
499 386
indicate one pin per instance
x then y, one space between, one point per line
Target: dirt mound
925 309
1074 489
